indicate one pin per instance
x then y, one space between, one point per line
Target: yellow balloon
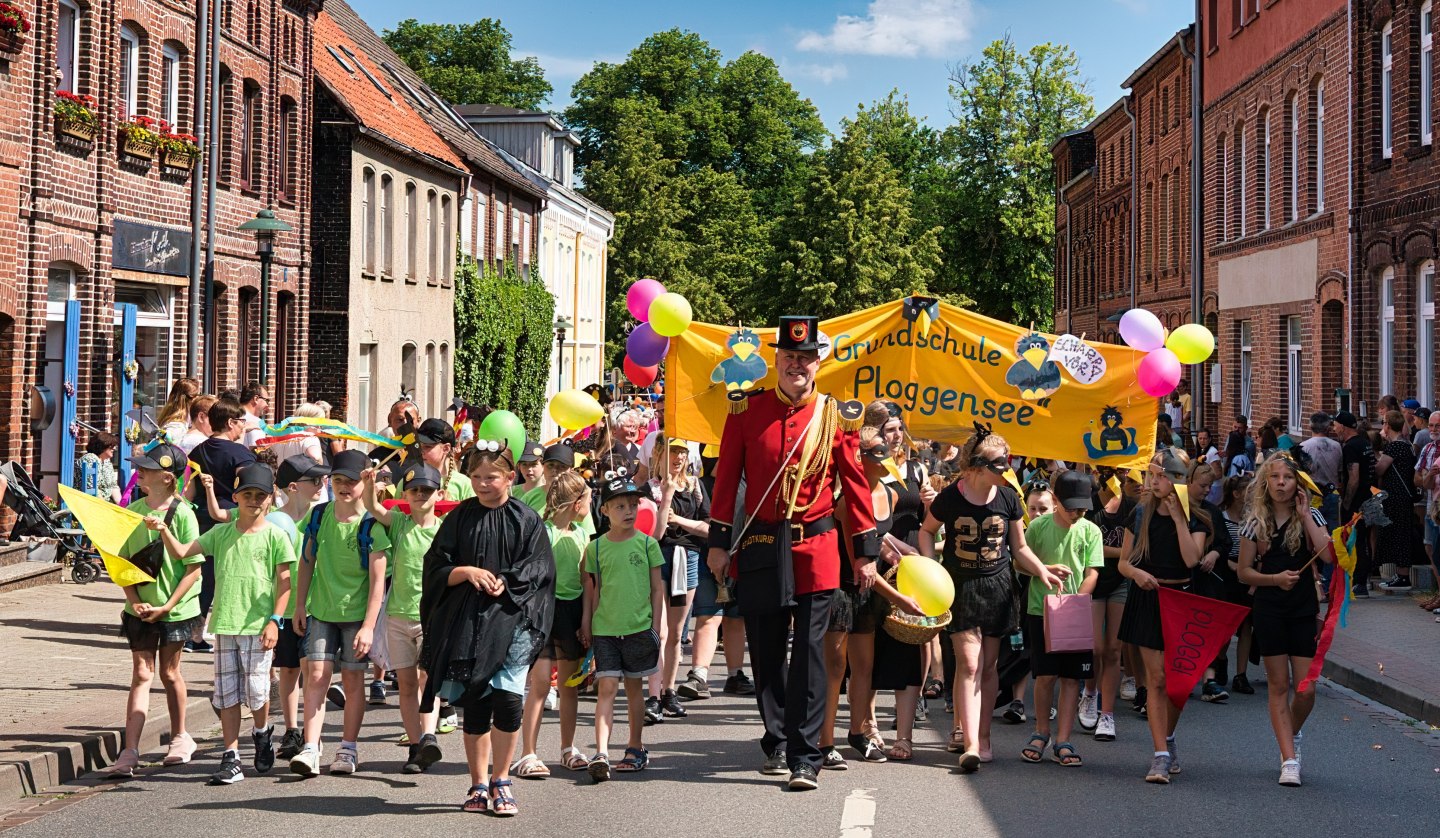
926 582
575 409
1191 343
670 314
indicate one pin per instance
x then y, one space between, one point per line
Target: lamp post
265 226
563 324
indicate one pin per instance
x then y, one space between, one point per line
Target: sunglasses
876 453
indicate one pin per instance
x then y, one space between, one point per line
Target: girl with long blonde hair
682 525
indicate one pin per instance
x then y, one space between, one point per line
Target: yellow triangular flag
1015 484
123 573
108 527
1113 484
1183 493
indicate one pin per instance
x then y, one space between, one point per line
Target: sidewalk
66 675
1390 653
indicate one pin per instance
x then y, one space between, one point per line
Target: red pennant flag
1196 629
1339 590
442 507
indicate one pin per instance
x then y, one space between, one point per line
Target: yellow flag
1113 485
1183 493
108 527
1015 484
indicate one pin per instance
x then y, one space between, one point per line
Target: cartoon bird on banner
744 367
1033 373
923 312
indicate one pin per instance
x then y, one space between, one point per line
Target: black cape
467 632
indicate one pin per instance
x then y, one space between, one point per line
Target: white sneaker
1127 689
125 766
1299 737
1089 712
346 761
552 699
307 762
1105 727
1290 773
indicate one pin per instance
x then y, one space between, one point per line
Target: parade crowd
483 586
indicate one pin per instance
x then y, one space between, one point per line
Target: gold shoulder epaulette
740 399
852 414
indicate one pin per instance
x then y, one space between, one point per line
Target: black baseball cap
618 488
297 468
420 476
560 453
532 453
255 476
1347 419
435 432
349 464
163 457
1073 490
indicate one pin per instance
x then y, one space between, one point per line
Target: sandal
1064 753
957 741
573 759
502 800
866 747
1031 753
599 768
478 800
530 767
871 732
933 688
636 759
901 750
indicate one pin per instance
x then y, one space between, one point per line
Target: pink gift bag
1069 626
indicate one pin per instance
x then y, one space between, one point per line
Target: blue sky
837 54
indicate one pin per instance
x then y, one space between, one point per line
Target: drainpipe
1134 193
192 349
1353 230
214 155
1197 274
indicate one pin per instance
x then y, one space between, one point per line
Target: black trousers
791 699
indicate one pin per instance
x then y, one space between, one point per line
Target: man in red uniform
794 447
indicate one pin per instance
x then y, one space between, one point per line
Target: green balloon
504 425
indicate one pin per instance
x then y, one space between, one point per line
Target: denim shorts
1432 531
706 592
692 568
631 656
333 642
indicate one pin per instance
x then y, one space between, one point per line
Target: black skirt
989 603
897 665
1140 624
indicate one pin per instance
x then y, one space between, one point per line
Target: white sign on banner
1084 362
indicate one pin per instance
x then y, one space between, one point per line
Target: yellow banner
1051 397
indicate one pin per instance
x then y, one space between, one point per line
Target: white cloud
823 73
900 28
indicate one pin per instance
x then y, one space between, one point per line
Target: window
59 289
1164 110
412 236
1387 89
248 327
1246 367
387 227
226 172
284 351
1177 232
1292 159
1294 334
431 385
1243 176
1222 157
170 85
67 45
1212 27
129 71
1425 348
447 240
250 135
1317 148
288 136
1387 330
252 23
1165 222
364 389
1262 168
367 220
444 374
1427 75
407 370
432 249
1227 206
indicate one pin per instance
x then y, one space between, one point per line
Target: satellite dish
42 408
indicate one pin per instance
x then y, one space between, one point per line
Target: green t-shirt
340 586
535 499
1079 547
245 566
567 545
157 593
288 526
458 487
623 571
408 545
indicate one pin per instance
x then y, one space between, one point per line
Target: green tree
503 339
997 198
470 63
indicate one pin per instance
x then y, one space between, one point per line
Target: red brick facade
60 199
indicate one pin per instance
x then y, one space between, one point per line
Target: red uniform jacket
753 443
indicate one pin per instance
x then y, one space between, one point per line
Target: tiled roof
355 77
441 117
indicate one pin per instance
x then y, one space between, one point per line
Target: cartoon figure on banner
1114 440
1084 362
922 311
1033 373
744 367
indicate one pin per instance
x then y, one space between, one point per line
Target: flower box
139 137
75 116
11 41
13 25
179 160
137 147
79 129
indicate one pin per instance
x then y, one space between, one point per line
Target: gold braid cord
817 463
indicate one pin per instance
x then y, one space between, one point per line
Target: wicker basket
908 628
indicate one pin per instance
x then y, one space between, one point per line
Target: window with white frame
67 45
1387 90
367 220
170 86
364 388
412 235
129 70
386 259
432 249
1427 73
1387 330
1319 151
1244 180
1294 154
1246 367
1294 334
1262 169
1425 345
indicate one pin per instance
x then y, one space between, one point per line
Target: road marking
858 816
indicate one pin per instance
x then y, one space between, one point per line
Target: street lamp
265 226
563 324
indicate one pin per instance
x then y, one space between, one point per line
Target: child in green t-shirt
623 591
159 615
532 476
1071 547
252 585
340 595
410 538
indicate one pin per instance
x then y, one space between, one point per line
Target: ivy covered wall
504 339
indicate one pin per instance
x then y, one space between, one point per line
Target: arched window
247 327
1387 330
412 237
1427 74
387 226
1242 181
1292 158
1262 167
67 45
171 56
447 241
251 134
226 172
289 141
1387 93
432 245
367 220
432 388
1425 334
1317 146
407 369
130 70
444 374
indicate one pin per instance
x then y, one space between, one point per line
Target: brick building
94 232
1277 254
1397 180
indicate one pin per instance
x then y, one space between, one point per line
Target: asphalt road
1365 770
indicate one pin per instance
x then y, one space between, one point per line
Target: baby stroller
49 535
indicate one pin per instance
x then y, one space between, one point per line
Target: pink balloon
1142 330
645 518
1159 372
641 295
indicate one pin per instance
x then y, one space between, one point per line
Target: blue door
71 376
128 375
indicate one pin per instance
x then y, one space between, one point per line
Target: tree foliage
470 63
504 341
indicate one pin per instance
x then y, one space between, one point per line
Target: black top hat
799 333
